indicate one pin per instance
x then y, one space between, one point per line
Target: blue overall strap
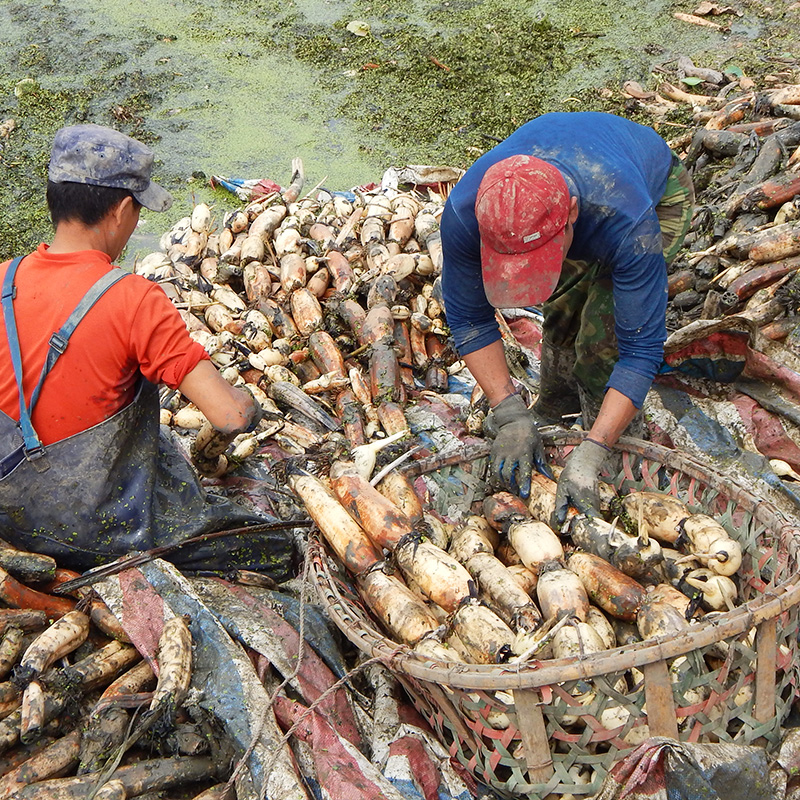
32 442
60 339
58 344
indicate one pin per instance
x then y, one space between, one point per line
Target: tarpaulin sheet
731 362
262 629
223 680
663 769
342 771
734 427
405 747
316 623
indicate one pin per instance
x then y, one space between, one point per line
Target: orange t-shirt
132 329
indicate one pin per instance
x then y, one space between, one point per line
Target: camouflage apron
580 312
118 487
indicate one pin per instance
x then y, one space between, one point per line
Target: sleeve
160 341
470 316
640 303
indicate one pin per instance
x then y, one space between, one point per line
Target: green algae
209 86
442 94
239 88
22 166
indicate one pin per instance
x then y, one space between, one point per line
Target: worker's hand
256 414
517 447
577 486
229 409
209 446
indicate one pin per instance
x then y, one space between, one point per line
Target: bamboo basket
744 662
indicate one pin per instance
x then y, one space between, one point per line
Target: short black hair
83 202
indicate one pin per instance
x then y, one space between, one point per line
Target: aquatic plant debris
238 89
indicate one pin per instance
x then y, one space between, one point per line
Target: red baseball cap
522 208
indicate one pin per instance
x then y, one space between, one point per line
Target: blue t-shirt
618 171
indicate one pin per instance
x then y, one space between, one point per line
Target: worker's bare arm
615 414
489 368
228 409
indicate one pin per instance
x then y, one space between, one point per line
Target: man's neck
72 236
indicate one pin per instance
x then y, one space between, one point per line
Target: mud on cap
104 157
522 208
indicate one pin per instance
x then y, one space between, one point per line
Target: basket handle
661 717
766 666
533 732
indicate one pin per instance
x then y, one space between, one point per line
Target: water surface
240 88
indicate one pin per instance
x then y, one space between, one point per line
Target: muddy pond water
240 88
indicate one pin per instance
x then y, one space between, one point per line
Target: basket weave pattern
520 729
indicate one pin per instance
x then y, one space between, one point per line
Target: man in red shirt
85 474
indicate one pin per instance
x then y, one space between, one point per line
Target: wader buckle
37 457
58 342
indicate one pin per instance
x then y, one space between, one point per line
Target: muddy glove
517 446
577 486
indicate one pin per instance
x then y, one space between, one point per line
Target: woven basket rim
533 674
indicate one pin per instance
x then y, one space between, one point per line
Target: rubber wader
558 389
118 487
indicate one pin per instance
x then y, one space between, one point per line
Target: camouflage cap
105 157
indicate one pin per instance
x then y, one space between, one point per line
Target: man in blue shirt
580 212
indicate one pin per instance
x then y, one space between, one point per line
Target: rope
286 736
241 763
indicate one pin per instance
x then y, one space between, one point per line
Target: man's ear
573 210
122 208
